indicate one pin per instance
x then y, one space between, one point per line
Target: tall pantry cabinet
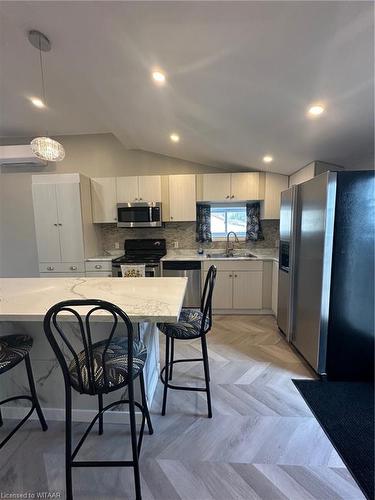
64 231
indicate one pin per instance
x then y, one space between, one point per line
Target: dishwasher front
190 269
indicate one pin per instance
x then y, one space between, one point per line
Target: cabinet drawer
234 265
98 274
62 267
98 266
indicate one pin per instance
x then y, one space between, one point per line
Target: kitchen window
228 218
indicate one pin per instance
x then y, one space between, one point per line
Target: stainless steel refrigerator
326 272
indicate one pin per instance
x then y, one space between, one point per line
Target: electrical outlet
175 244
117 245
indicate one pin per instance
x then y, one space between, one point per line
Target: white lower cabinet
239 285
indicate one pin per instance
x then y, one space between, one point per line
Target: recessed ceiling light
316 110
267 159
37 102
174 137
158 77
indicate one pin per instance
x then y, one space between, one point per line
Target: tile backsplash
183 233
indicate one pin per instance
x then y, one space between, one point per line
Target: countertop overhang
143 299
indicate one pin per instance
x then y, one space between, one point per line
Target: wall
183 233
96 155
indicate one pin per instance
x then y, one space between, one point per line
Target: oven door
152 270
139 214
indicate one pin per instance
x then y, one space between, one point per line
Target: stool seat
188 326
116 363
13 349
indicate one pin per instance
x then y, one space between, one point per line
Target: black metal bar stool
192 324
99 368
13 350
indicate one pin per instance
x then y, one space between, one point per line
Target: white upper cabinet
182 198
274 185
61 211
103 195
143 188
126 189
216 187
246 186
149 188
232 187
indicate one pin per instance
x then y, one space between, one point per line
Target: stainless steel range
146 251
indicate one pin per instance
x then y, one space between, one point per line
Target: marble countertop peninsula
143 299
192 254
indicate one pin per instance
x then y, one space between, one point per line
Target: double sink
230 255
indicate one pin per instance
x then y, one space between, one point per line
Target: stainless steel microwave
142 214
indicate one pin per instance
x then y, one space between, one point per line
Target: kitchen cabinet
247 289
138 188
238 287
182 198
216 187
231 187
104 199
275 286
273 186
98 268
63 222
310 171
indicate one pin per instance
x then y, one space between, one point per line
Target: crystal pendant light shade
44 148
47 149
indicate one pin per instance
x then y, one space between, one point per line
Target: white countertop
143 299
191 254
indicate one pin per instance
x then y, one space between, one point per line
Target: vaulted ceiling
240 77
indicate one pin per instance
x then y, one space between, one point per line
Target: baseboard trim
58 415
244 312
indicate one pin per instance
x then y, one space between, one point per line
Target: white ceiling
240 77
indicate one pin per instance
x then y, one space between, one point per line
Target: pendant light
44 147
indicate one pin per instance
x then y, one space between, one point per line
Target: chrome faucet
227 249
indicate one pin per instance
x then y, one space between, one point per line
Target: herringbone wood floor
262 443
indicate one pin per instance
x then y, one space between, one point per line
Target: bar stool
13 350
192 324
99 368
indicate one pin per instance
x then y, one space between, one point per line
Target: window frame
226 207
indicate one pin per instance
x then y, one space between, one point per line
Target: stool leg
172 358
100 400
34 394
206 374
68 443
144 403
167 341
1 419
133 430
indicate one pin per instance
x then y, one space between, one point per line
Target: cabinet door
275 286
127 189
245 186
216 187
70 222
149 188
46 222
103 195
275 184
247 289
223 291
182 198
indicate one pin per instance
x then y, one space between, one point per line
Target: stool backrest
57 328
206 299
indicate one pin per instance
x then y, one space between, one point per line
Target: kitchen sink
230 255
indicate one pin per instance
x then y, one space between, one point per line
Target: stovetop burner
147 251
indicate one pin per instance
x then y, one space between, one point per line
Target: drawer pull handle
232 196
235 275
73 268
98 266
230 276
50 268
227 196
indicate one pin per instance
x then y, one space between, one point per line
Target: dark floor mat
345 410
